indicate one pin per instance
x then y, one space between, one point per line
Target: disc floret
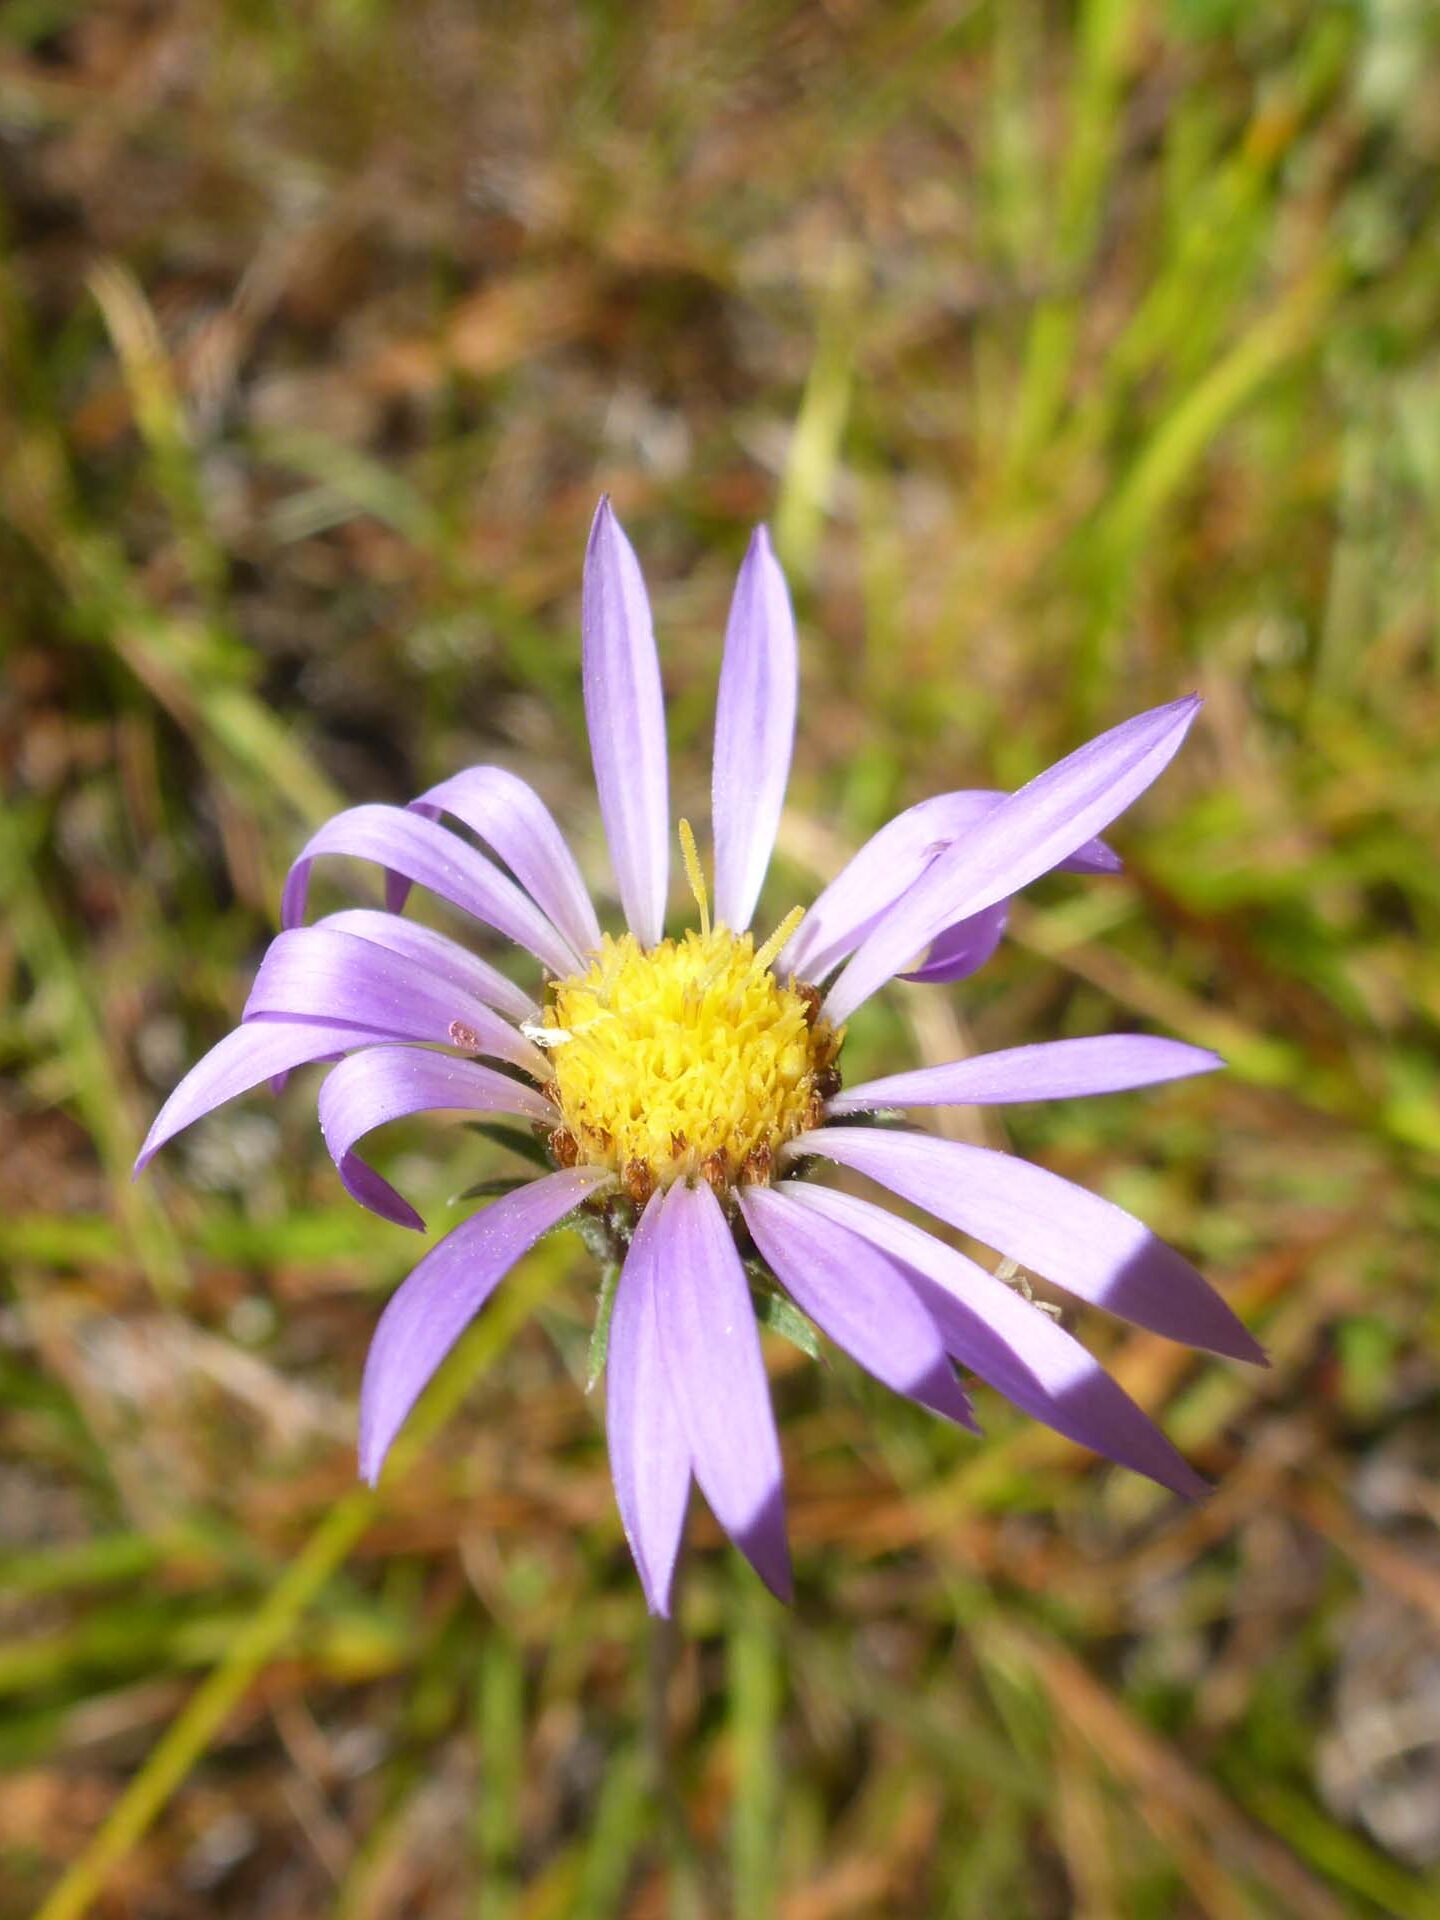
689 1060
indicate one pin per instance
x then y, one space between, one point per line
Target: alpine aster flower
684 1087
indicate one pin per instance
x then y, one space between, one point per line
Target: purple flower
684 1087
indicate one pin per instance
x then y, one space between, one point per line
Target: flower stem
662 1658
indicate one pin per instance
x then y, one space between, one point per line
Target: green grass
1078 357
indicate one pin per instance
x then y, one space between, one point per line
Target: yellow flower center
691 1060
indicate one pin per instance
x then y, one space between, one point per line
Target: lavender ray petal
856 1297
431 856
1025 836
625 716
241 1062
445 1292
717 1377
515 823
964 948
889 864
1050 1070
754 732
439 953
317 973
1006 1340
649 1454
388 1083
1085 1244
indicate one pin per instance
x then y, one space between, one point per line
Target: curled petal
241 1062
1007 1341
514 822
754 732
1050 1070
964 948
1079 1241
857 1298
717 1376
440 954
889 863
389 1083
445 1292
431 856
316 973
625 716
649 1454
1025 836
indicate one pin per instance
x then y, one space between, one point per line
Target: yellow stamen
780 936
689 1061
695 874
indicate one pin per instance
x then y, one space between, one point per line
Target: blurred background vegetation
1079 355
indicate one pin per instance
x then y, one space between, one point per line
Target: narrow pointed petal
445 1292
889 864
1006 1340
754 732
316 973
1025 836
625 716
514 822
430 856
1074 1238
240 1062
440 954
649 1454
963 949
857 1298
389 1083
1050 1070
717 1377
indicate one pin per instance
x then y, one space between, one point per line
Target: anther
716 1169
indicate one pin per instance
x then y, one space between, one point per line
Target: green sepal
780 1315
514 1140
600 1338
494 1189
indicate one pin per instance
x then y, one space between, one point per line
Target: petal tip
602 522
781 1582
